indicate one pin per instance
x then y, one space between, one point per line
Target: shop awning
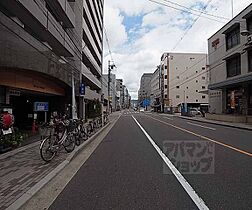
231 81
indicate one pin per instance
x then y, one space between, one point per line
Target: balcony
63 12
35 16
89 78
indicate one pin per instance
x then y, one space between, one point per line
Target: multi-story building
155 97
126 103
144 92
119 90
184 78
44 44
230 60
112 93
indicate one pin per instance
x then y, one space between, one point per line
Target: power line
206 71
190 26
195 10
186 11
200 60
107 41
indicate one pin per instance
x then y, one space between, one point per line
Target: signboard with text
41 106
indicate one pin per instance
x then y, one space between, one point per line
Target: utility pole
109 72
110 67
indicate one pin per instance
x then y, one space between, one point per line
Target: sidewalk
23 168
244 126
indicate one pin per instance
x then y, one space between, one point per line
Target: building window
197 100
233 38
177 87
203 87
203 97
165 86
165 76
196 72
177 77
203 68
234 66
165 96
203 78
177 96
249 24
187 97
250 60
196 81
165 67
197 91
186 87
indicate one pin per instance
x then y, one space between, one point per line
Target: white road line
188 188
202 126
168 118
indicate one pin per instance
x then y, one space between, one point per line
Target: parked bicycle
60 135
80 131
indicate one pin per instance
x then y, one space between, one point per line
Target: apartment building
230 60
185 80
119 93
155 85
127 98
44 44
110 95
144 92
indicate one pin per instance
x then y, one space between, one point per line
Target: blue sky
140 31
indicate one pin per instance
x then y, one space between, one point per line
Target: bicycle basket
46 131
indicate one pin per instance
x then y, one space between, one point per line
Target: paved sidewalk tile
22 171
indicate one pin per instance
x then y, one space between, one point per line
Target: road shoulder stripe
188 188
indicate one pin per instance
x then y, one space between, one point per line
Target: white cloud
114 26
161 29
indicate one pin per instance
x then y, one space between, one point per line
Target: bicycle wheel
83 134
76 136
69 143
48 148
89 129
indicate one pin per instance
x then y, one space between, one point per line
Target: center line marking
204 137
187 187
202 126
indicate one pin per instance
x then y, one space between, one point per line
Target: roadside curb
215 123
33 190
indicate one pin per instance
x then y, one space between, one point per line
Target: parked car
141 109
195 112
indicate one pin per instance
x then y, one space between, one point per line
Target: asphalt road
128 170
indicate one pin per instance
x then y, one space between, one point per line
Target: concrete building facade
145 88
230 60
120 94
184 79
43 45
155 97
112 93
